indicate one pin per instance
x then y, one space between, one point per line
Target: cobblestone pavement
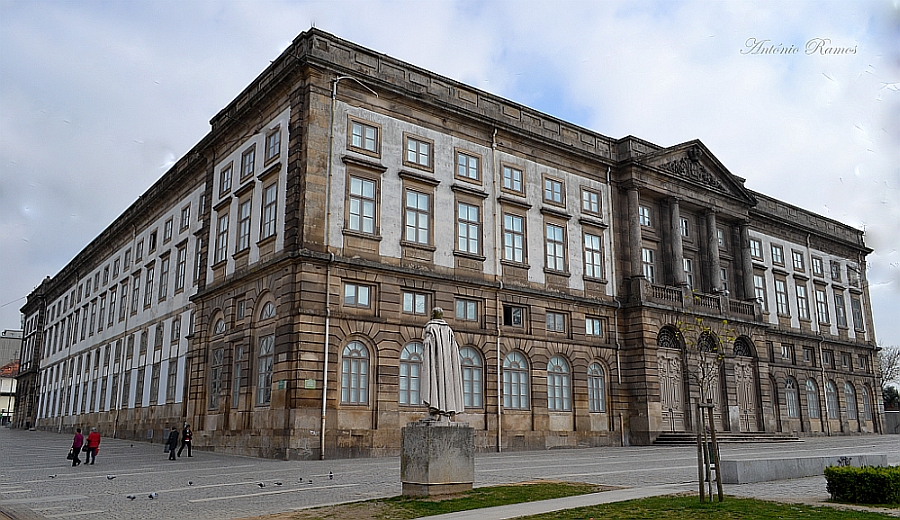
210 485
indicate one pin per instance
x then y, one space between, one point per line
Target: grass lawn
681 507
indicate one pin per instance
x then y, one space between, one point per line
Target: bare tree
889 365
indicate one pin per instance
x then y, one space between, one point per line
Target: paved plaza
36 481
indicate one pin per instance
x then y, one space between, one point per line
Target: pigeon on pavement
261 484
153 495
190 482
131 497
110 477
53 475
277 483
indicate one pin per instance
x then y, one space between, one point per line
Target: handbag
71 455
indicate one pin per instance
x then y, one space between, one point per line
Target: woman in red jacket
93 445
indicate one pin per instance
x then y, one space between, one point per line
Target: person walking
186 436
93 446
77 443
173 442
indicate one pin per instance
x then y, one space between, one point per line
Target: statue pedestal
437 458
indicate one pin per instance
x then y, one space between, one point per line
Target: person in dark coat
186 436
77 443
173 442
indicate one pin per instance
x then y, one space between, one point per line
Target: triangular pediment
693 163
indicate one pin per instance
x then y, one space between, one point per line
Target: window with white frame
513 238
797 259
355 374
822 305
467 166
273 144
225 176
759 290
362 205
856 309
266 365
840 310
644 216
648 266
167 234
410 374
596 388
802 302
357 295
163 278
415 303
515 381
781 297
269 211
685 225
468 228
593 326
222 238
363 137
818 267
466 309
248 162
512 179
791 398
268 311
180 264
590 201
720 238
513 316
554 191
473 377
756 250
418 152
185 217
418 217
777 254
148 287
593 256
556 247
243 238
688 272
559 385
835 270
215 377
556 322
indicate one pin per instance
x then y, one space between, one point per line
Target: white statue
442 382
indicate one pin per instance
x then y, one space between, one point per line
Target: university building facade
271 289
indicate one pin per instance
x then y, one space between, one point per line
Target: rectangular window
185 217
243 241
720 238
215 377
176 331
164 278
415 303
647 264
781 298
198 266
154 384
593 326
171 379
138 255
139 388
513 316
356 295
418 152
127 259
822 305
593 256
856 309
106 275
556 248
688 272
840 310
828 358
644 216
148 287
273 144
418 217
756 250
556 322
513 180
759 290
362 205
115 271
126 389
467 166
123 304
818 267
112 307
514 238
807 355
239 377
266 366
685 227
835 271
787 352
797 260
180 263
225 176
554 191
777 254
269 215
468 226
852 276
248 162
102 319
167 230
222 238
145 338
135 293
363 137
845 361
93 317
590 201
723 277
802 302
466 310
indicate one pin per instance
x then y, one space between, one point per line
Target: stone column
634 231
747 262
677 247
712 244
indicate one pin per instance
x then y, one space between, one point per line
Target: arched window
266 364
831 400
515 381
867 404
812 399
268 311
219 327
707 342
559 385
410 373
791 398
850 397
742 347
355 374
596 388
473 377
667 339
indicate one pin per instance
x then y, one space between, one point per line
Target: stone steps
690 439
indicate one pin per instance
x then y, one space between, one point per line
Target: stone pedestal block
437 459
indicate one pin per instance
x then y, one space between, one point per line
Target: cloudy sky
98 99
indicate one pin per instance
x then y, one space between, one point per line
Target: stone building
271 289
